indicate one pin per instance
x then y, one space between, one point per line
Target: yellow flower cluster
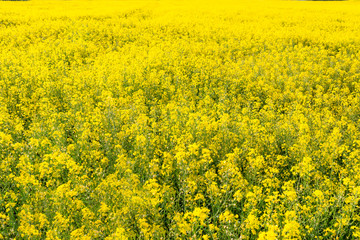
166 119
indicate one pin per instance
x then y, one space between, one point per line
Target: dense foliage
179 120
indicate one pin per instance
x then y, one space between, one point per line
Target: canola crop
179 119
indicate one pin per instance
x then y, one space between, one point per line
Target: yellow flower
252 223
201 213
104 208
227 216
318 194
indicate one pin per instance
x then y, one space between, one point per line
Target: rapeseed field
179 119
